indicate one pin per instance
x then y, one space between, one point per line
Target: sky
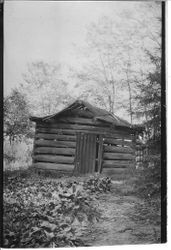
48 31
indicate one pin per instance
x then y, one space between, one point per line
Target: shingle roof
98 114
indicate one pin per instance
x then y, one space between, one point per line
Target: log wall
55 143
118 153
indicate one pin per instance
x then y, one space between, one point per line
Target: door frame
96 156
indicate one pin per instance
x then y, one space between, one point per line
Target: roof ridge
97 112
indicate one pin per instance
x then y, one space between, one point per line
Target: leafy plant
16 113
41 212
95 184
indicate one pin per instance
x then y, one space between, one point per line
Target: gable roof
97 113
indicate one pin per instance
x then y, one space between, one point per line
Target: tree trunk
130 92
130 102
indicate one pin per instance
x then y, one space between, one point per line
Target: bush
17 155
148 183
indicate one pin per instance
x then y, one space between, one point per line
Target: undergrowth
43 212
17 155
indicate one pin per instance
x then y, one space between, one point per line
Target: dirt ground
116 227
120 222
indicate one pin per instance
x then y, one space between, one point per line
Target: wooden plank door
85 157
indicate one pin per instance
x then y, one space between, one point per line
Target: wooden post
100 153
134 147
77 159
34 146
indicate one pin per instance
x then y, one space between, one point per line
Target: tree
109 70
150 98
117 57
16 116
149 83
45 89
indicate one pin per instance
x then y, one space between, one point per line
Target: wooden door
86 157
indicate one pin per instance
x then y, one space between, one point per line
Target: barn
83 139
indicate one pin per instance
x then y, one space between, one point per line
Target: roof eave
35 119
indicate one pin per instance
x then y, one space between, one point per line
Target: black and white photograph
84 132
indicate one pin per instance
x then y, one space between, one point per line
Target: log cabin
83 139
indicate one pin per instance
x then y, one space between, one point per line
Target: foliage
17 155
148 184
117 58
150 99
45 213
16 113
45 88
94 184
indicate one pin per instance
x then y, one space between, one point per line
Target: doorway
88 157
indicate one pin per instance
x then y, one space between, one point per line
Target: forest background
114 64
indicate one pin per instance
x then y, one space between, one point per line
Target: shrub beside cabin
83 139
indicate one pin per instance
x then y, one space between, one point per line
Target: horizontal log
74 132
115 163
51 143
96 129
53 166
56 131
80 120
117 142
115 166
56 151
55 159
109 135
119 135
115 171
56 137
69 126
115 149
118 156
